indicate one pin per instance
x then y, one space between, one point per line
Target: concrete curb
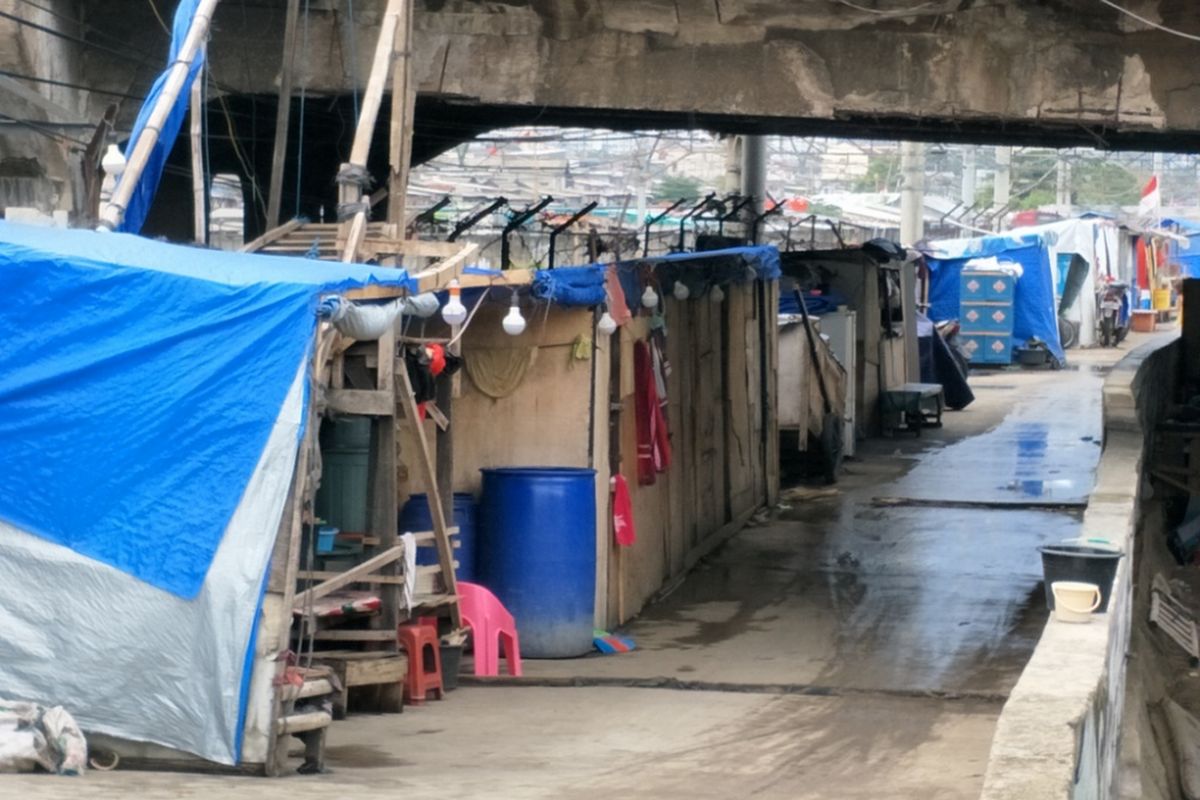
1059 733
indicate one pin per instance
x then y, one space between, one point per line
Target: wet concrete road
841 594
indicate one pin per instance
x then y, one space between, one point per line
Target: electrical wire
900 12
76 39
300 121
158 17
62 137
69 85
1145 21
353 57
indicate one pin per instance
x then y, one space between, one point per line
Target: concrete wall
36 168
1060 731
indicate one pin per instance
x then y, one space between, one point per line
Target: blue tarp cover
731 265
143 193
570 286
1188 258
1034 312
138 384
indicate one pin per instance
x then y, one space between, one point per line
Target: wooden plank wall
719 473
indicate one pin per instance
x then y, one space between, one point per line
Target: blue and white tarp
151 403
1034 309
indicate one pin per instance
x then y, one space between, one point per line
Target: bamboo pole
283 113
199 189
404 97
373 96
385 51
114 211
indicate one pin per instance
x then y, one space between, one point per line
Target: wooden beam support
283 112
425 460
401 130
272 235
199 187
352 575
366 402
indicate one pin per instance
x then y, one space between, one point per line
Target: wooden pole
199 187
404 98
385 50
114 211
283 114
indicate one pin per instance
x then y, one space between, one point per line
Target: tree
673 187
883 174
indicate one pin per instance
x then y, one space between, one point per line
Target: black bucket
1083 563
451 662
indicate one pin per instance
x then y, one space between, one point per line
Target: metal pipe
471 220
655 221
578 215
519 219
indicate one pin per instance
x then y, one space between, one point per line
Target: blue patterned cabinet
986 315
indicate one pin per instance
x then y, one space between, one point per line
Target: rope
300 125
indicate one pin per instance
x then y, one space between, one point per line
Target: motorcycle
1112 312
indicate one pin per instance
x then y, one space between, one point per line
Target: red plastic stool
424 662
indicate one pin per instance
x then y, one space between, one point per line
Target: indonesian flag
1151 199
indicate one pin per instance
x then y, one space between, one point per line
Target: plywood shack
883 296
574 406
724 433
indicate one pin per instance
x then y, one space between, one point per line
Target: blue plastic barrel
537 553
414 517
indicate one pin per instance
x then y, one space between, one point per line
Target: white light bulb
717 295
513 323
454 312
649 297
607 325
681 291
113 162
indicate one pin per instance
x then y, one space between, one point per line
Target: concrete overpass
1063 72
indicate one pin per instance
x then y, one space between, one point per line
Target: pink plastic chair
491 625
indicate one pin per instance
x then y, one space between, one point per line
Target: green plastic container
345 456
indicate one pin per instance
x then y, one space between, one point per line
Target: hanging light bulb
681 291
454 312
513 323
717 294
649 297
113 162
606 326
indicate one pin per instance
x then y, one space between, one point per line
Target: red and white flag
1151 199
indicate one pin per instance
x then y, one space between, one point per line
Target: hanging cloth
618 308
653 440
497 373
622 512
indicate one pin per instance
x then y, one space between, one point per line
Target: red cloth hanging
653 439
622 512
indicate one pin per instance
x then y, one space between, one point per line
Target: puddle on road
362 757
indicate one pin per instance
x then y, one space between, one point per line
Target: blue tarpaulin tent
1188 258
152 399
1034 313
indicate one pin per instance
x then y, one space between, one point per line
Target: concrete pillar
968 175
912 193
1002 187
1062 193
754 171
